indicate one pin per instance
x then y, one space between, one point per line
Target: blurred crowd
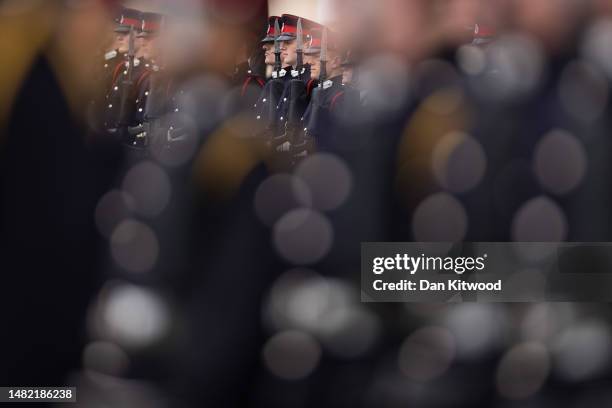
185 187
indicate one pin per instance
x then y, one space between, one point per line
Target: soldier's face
289 52
149 48
122 42
269 53
315 65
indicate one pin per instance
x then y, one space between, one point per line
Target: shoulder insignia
327 84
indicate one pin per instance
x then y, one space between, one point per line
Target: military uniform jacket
103 75
271 93
284 102
317 118
113 97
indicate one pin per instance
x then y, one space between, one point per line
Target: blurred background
201 277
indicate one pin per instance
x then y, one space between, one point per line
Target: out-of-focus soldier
249 75
483 34
125 19
103 113
267 44
150 59
149 39
128 74
157 124
349 72
330 90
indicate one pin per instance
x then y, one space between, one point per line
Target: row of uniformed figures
271 107
129 126
309 117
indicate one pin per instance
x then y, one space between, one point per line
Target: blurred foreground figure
252 61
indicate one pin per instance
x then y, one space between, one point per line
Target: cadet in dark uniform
264 110
159 123
155 103
124 20
249 76
330 92
267 44
289 46
149 51
125 81
100 115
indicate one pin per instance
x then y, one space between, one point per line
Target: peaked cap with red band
313 41
483 34
150 24
289 27
128 18
269 37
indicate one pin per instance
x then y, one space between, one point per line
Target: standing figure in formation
295 95
327 96
149 37
104 109
120 98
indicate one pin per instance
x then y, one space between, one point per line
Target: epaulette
326 84
136 63
110 55
295 73
151 65
280 73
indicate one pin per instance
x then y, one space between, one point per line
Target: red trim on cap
271 21
315 43
483 31
129 21
150 26
288 29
